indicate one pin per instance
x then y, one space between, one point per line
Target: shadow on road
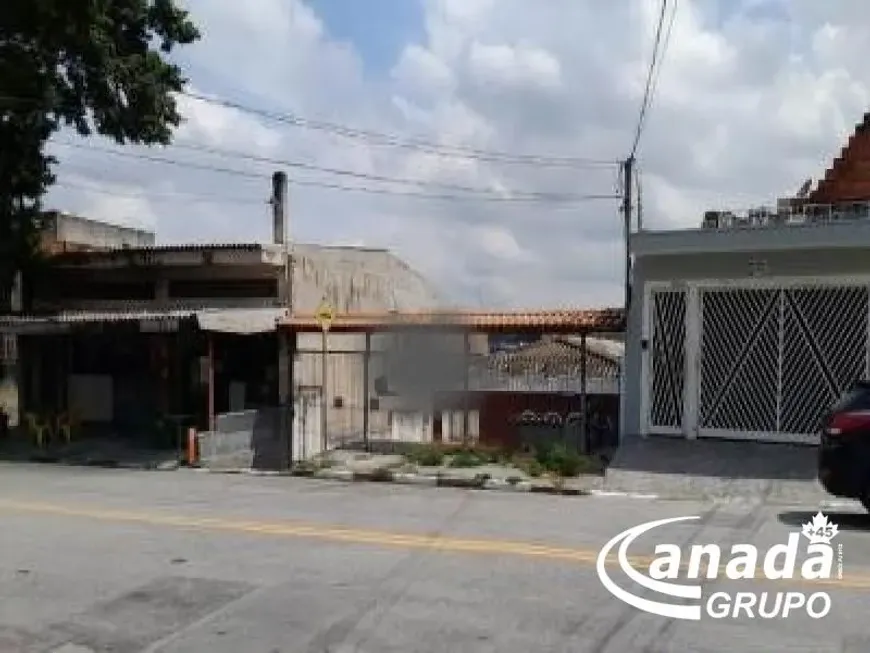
845 521
716 459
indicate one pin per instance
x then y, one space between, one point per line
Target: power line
340 172
567 199
152 197
391 140
651 72
665 43
385 139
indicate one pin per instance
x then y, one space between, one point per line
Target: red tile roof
848 178
547 321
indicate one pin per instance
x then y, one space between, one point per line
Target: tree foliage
98 66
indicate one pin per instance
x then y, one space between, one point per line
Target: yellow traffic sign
325 315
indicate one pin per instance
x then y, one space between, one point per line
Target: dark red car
844 450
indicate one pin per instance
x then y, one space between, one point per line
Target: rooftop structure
842 195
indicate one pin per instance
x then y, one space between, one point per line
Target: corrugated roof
159 249
73 317
222 320
65 319
565 321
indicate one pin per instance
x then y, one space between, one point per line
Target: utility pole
627 187
286 347
627 200
639 193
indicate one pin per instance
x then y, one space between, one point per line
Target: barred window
8 349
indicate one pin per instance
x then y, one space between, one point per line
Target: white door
666 361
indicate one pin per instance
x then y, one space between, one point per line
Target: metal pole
466 386
584 393
324 372
366 390
211 415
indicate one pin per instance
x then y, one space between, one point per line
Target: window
224 288
96 290
8 349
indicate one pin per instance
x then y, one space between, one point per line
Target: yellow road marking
365 536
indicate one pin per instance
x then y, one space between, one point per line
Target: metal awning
218 320
240 320
62 322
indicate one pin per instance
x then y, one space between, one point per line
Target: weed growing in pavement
425 455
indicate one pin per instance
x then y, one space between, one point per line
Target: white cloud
522 66
750 102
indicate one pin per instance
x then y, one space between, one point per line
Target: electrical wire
566 199
300 165
391 140
665 43
156 197
648 87
385 139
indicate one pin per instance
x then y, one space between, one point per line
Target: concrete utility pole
286 348
627 200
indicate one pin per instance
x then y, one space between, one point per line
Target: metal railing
786 214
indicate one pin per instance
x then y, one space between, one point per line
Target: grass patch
561 461
530 466
425 455
466 458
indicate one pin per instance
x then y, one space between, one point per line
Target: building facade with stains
124 332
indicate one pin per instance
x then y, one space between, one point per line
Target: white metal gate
772 359
667 361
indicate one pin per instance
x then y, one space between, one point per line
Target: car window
854 399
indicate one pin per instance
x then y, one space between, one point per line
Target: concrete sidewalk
715 469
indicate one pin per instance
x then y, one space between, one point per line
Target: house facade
751 326
124 334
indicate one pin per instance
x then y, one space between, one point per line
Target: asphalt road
120 561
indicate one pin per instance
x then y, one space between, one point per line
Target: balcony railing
787 213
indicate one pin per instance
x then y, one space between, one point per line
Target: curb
105 463
624 495
420 480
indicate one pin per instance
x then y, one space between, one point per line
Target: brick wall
848 178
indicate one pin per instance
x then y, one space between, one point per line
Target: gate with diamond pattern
772 359
667 361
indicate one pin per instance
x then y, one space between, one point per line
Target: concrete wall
357 279
811 264
352 279
739 265
76 230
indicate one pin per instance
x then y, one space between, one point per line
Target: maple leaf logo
820 530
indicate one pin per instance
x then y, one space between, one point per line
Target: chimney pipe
279 208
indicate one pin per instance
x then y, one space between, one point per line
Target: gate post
692 385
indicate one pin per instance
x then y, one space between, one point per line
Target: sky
753 97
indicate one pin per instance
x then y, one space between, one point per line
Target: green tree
98 66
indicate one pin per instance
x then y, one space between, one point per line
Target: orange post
192 452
